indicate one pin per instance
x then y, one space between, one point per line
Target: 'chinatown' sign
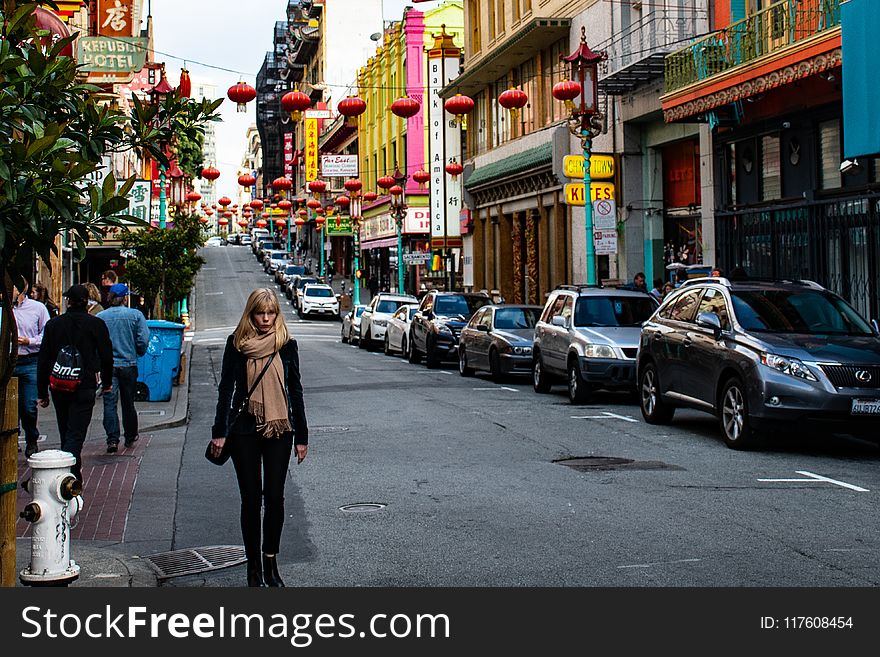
601 166
311 148
111 55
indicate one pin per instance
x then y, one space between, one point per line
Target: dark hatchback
435 328
498 339
761 355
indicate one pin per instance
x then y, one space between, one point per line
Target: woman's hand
217 446
301 451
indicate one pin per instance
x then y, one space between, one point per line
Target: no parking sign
604 214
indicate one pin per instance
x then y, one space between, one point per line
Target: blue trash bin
158 368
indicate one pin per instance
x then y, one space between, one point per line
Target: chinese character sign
288 155
115 18
311 149
445 145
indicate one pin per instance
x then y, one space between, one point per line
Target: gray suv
590 336
759 354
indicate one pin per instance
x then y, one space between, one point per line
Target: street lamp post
586 123
398 202
355 214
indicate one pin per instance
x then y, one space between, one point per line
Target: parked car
351 324
588 336
256 234
437 324
273 259
284 274
498 339
761 355
234 238
264 245
319 299
397 329
215 241
245 240
376 316
301 282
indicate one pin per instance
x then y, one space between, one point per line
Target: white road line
659 563
510 389
498 388
212 294
605 416
816 479
445 372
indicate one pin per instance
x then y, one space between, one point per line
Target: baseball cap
119 290
77 293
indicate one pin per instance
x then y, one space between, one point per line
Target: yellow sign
574 192
601 167
311 148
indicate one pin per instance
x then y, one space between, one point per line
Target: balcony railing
635 55
775 28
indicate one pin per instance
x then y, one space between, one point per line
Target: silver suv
589 335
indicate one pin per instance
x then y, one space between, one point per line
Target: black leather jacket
233 388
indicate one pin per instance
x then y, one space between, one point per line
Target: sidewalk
109 483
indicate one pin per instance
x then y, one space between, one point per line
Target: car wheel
404 346
362 342
387 345
431 360
654 409
495 365
736 425
463 368
414 356
578 390
540 380
343 335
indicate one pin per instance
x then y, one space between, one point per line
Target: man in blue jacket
130 337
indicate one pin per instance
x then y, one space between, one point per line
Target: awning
519 163
379 244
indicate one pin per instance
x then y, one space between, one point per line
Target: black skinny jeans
73 411
249 452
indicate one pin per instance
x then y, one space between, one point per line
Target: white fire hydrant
57 500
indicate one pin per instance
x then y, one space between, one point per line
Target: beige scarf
268 403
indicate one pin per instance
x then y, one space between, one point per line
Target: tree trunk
8 482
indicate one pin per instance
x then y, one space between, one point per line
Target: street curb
180 416
140 575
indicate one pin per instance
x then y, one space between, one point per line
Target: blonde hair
261 300
94 292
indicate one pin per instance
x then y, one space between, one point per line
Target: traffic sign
421 258
604 214
605 242
601 166
574 192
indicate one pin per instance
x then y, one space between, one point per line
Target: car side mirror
876 326
710 321
559 320
482 328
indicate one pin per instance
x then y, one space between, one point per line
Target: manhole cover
593 463
362 507
195 560
328 429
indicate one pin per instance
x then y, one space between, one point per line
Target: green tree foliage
54 132
165 262
189 155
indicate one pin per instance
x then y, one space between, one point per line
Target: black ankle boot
254 573
270 571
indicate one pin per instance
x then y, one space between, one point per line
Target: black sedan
498 339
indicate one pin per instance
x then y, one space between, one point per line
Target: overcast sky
233 35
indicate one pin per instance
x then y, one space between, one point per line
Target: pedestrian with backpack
130 337
76 356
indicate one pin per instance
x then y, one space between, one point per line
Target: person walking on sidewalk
31 318
91 339
130 337
261 367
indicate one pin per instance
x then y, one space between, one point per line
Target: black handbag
225 453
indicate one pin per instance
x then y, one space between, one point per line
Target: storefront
379 247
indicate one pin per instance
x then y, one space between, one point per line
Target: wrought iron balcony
635 55
773 29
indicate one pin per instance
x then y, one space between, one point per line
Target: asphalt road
473 494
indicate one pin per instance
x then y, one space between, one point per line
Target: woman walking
261 359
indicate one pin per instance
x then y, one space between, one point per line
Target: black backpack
67 371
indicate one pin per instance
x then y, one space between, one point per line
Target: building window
771 169
527 6
501 26
731 172
514 5
491 21
474 24
552 73
500 116
478 131
526 78
830 156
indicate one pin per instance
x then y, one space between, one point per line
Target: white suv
320 300
374 321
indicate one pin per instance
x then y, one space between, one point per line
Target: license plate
866 406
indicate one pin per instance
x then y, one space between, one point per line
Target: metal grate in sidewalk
195 560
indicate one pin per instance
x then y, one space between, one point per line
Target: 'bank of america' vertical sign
444 141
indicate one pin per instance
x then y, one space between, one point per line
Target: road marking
498 388
659 563
511 389
212 294
445 372
605 416
816 479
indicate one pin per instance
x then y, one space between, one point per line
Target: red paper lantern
369 197
285 205
343 201
282 184
421 176
319 221
273 205
224 201
210 173
209 212
567 91
396 190
193 197
203 220
314 204
185 85
385 182
454 169
266 215
281 223
246 180
300 201
228 215
49 20
299 222
405 107
295 103
256 204
302 213
222 222
351 108
261 223
319 211
513 100
243 223
353 185
241 94
317 187
459 106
